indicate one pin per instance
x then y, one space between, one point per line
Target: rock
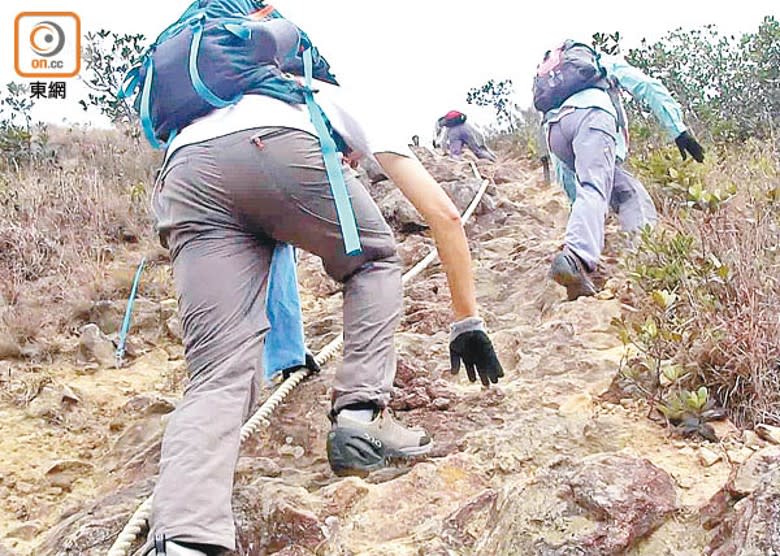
442 404
755 524
146 314
64 473
340 498
769 433
33 350
126 235
602 504
51 403
26 532
134 347
168 308
258 467
175 352
374 171
578 404
107 315
271 516
708 458
632 493
505 174
748 477
462 193
9 347
94 346
725 429
137 444
173 327
69 395
751 439
148 404
82 530
407 400
464 526
740 455
406 373
401 214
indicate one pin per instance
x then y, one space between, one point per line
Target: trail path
536 465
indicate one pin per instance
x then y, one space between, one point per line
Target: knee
377 249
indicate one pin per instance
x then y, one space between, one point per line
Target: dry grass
743 365
724 327
62 223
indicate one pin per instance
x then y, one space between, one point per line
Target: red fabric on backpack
452 118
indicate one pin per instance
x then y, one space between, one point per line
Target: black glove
469 342
310 364
687 144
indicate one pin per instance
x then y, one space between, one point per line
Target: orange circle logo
47 39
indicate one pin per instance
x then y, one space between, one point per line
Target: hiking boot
358 447
568 270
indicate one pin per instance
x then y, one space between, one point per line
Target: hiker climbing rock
578 90
241 184
453 132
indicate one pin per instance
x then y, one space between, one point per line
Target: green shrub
706 292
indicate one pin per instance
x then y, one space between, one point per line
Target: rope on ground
138 521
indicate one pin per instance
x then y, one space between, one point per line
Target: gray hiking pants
465 135
584 139
220 208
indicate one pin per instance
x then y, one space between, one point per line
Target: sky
414 60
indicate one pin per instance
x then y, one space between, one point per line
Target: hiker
452 132
238 183
578 91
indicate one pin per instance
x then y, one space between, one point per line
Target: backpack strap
129 84
197 82
346 214
146 113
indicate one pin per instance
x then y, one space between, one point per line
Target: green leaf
695 192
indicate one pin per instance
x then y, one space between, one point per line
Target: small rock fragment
708 457
769 433
94 346
751 439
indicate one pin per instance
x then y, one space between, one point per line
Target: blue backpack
220 50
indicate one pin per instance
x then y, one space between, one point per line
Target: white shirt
365 133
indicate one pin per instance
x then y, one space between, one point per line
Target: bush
729 87
22 141
108 56
706 291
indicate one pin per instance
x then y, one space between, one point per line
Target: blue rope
120 350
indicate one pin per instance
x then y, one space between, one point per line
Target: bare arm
440 213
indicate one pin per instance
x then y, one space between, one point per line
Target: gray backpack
569 69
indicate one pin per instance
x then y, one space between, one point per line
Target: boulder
600 505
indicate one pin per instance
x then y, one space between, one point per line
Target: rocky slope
537 465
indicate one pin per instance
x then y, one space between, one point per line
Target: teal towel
284 346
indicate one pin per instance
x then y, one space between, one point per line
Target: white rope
137 522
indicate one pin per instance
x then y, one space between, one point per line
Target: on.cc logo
47 44
47 39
